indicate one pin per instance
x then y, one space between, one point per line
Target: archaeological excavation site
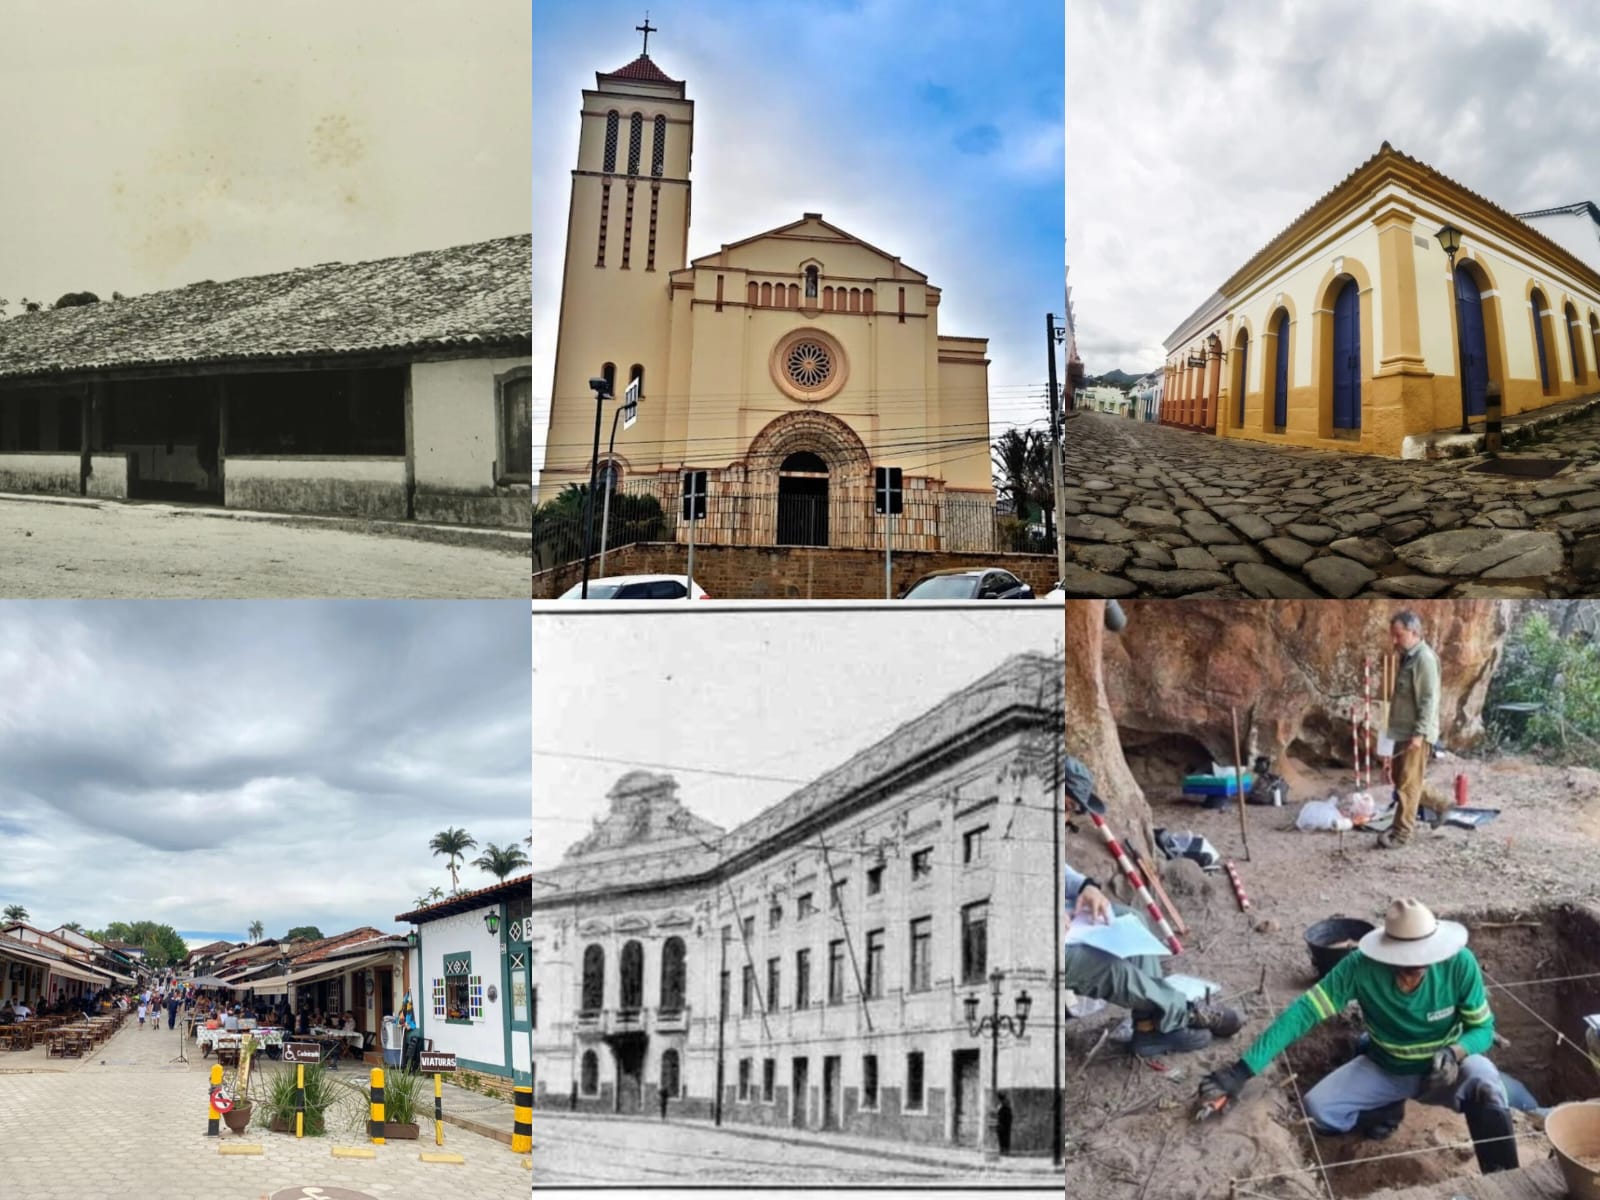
1333 900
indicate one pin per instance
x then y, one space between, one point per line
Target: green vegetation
558 524
500 861
162 945
309 932
15 912
453 843
256 930
1559 675
400 1092
327 1099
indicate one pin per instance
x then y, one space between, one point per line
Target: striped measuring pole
1136 881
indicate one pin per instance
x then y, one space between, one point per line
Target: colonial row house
390 389
39 967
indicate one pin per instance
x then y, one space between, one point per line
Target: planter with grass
400 1090
327 1099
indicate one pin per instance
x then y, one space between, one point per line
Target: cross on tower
647 29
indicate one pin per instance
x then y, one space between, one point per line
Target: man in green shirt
1429 1032
1413 725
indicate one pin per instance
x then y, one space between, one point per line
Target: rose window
809 364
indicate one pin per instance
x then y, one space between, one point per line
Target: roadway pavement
125 1121
1158 511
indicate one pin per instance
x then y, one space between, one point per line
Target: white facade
1575 227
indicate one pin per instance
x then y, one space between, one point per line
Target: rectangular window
605 211
459 987
804 906
749 927
835 972
748 1002
774 916
874 880
836 894
975 942
769 1078
744 1078
869 1081
914 1097
515 404
802 980
972 845
921 952
921 863
772 984
719 293
627 230
902 306
874 963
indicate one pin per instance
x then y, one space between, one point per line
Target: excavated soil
1526 885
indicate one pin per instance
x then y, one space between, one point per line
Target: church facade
787 364
1353 329
808 968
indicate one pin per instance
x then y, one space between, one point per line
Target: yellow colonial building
1353 330
787 365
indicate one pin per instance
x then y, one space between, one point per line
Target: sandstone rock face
1292 668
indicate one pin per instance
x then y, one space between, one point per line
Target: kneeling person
1165 1021
1421 993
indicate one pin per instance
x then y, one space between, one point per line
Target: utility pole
722 1016
602 392
1055 448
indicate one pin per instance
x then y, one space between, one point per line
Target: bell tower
627 229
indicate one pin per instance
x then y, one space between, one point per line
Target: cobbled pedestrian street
1158 511
123 1121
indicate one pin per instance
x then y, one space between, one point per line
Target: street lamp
601 386
491 921
1450 238
994 1024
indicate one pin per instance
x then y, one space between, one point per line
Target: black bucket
1322 940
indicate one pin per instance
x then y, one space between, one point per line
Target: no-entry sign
436 1062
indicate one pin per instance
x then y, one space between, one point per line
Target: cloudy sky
929 128
1197 130
148 146
757 700
206 764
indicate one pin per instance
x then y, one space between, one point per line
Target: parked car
1057 594
969 583
638 587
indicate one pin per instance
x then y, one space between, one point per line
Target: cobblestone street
123 1121
1158 511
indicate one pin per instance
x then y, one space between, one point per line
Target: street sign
221 1101
301 1052
694 495
630 404
888 495
433 1062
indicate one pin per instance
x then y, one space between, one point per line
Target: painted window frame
502 385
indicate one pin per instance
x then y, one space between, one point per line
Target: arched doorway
632 990
670 1082
1539 318
1570 316
672 976
803 500
1244 371
1471 342
594 980
1347 359
1280 374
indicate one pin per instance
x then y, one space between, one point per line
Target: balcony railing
671 1020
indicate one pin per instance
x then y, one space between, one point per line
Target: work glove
1444 1072
1221 1088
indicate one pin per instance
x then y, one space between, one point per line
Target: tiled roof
339 941
642 68
465 296
465 900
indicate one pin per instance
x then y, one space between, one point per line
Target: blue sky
932 130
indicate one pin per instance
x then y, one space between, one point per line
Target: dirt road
128 552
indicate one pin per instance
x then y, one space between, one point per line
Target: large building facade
787 365
1353 330
809 967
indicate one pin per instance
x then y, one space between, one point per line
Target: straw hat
1412 936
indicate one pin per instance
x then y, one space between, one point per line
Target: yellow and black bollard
212 1115
375 1125
300 1100
522 1120
438 1109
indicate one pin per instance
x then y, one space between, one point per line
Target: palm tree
72 925
15 912
435 893
453 843
256 930
500 861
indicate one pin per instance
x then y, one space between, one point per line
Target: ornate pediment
593 929
633 924
676 919
644 809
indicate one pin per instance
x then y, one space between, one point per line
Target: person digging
1429 1030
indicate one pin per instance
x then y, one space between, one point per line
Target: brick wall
792 572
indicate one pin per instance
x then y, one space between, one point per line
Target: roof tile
642 68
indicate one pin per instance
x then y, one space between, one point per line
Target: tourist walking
144 1008
172 1011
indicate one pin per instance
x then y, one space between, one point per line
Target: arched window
611 141
866 300
610 476
658 154
589 1085
609 371
635 136
1280 373
632 976
1578 371
811 283
594 979
827 299
855 299
780 295
637 372
1545 373
669 1072
794 295
673 979
1594 338
752 293
1244 371
766 295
